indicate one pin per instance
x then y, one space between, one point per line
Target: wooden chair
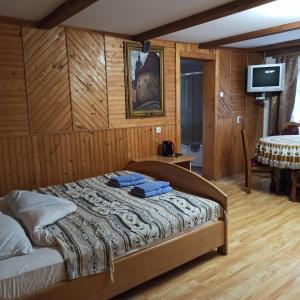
251 166
290 128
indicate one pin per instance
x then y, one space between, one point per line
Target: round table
280 151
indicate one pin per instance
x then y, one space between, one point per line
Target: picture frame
144 78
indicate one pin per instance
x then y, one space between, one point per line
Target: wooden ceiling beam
282 51
63 12
200 18
283 45
251 35
12 20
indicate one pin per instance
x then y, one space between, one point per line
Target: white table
280 151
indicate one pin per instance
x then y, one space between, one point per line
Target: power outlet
158 129
239 119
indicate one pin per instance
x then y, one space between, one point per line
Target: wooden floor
263 260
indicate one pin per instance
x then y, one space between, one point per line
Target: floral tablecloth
281 151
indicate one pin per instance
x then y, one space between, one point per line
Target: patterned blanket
110 222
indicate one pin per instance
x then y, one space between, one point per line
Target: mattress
22 275
110 222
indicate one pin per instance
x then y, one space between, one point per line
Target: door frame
209 105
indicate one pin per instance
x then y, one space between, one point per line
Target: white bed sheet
24 275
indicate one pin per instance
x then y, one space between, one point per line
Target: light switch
158 129
221 94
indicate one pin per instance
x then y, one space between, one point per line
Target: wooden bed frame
138 267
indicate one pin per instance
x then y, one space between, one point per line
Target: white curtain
296 111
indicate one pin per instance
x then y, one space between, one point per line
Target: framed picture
144 81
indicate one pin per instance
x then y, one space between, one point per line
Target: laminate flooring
264 253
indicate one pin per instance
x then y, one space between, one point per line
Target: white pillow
37 210
13 240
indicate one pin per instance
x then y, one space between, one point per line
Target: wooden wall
62 107
231 77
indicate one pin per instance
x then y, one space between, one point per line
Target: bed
151 259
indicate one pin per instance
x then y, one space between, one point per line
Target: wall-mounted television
266 78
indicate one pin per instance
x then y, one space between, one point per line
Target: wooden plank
69 157
7 168
47 80
63 12
276 46
252 35
12 21
105 150
87 79
209 120
214 13
13 106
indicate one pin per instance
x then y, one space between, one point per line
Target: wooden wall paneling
60 157
87 79
13 106
41 160
2 170
129 143
179 48
232 80
105 150
209 119
224 80
238 81
126 158
109 150
102 139
7 167
10 29
36 160
17 169
69 156
154 146
254 112
47 79
230 156
24 150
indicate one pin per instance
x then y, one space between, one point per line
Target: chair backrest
290 128
246 148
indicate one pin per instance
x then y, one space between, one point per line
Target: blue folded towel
116 183
131 177
151 186
152 193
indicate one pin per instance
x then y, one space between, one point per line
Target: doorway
191 112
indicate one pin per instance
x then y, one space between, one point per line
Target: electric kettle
168 148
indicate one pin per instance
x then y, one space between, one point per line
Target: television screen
266 78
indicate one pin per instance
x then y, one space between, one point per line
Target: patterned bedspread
110 222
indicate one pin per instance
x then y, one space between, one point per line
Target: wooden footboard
187 181
138 267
